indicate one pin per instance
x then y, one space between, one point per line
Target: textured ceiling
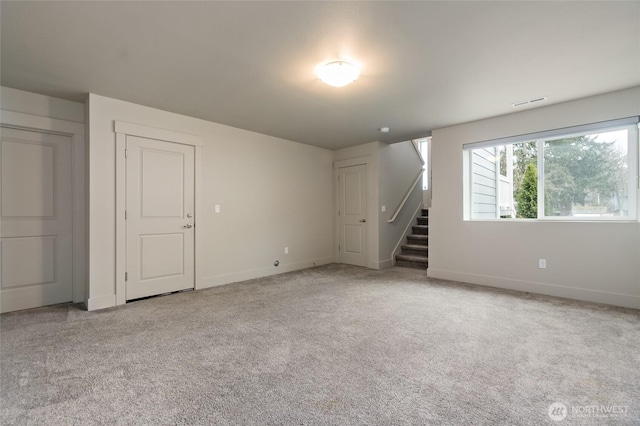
425 65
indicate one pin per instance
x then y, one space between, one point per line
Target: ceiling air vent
530 101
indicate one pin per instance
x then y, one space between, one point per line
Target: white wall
591 261
272 192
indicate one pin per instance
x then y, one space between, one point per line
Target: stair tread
412 258
418 236
421 226
415 247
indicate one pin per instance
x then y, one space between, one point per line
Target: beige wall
273 194
276 193
591 261
391 170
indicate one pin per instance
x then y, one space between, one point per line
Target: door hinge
126 153
126 276
125 215
338 247
338 212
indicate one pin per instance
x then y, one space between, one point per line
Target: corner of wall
87 195
101 302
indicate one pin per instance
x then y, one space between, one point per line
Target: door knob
363 220
187 226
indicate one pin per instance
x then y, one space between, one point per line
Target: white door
352 215
36 226
160 217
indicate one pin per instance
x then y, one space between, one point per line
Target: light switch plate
217 208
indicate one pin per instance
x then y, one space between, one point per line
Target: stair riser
420 231
418 238
418 241
408 264
413 252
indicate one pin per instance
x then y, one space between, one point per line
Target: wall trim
108 301
122 130
567 292
155 133
385 264
101 302
76 132
356 161
218 280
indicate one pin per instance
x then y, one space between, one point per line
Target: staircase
415 252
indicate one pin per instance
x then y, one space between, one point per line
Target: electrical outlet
383 209
286 250
217 208
542 263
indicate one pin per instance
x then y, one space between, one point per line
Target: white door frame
372 210
75 131
121 130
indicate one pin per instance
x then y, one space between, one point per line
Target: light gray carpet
333 345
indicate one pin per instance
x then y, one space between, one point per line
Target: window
582 173
423 146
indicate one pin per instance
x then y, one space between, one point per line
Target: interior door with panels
36 234
160 202
352 211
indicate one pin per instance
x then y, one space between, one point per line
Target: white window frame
631 123
424 148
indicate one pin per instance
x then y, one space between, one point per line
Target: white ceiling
425 65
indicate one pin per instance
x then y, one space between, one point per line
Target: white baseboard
385 264
101 302
217 280
588 295
108 301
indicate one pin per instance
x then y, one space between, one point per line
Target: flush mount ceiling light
338 73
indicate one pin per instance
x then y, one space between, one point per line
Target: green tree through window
527 195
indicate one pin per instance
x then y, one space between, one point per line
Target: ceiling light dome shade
338 73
